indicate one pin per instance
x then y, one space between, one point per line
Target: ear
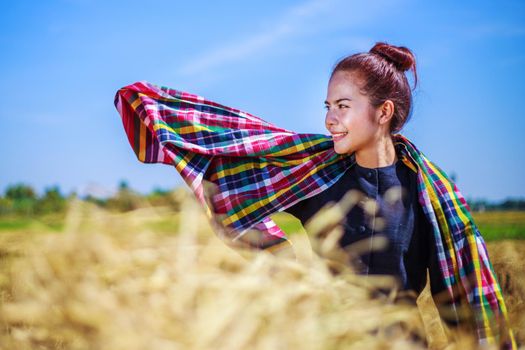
385 112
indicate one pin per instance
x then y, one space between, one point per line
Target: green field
498 225
493 225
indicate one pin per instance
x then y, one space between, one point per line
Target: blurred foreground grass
155 279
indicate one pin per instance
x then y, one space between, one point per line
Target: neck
381 153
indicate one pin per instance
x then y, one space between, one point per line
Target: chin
342 150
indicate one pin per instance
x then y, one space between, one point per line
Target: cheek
347 118
363 120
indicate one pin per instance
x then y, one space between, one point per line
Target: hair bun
402 58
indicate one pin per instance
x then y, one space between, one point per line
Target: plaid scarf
260 169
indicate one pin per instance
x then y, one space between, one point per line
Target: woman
368 101
259 169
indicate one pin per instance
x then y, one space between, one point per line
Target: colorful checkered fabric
258 169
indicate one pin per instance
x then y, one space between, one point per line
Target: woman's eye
343 106
326 107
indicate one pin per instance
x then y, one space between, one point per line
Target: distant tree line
21 199
507 204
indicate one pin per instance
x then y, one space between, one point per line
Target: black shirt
402 221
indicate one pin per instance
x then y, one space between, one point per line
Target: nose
330 119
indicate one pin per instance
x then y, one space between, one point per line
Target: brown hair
382 71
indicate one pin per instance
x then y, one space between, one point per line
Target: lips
338 135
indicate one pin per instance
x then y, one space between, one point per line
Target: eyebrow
337 101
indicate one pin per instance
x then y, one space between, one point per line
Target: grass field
501 225
494 226
157 279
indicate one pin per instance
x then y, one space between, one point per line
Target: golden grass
110 282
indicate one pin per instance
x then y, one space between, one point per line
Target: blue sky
63 61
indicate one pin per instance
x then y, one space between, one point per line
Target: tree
123 185
51 202
164 198
20 192
125 199
20 198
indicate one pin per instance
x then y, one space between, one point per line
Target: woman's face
349 112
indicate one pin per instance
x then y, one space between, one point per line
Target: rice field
155 279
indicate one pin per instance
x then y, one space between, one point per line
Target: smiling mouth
339 136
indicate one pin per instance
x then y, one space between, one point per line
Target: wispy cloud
310 18
293 22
